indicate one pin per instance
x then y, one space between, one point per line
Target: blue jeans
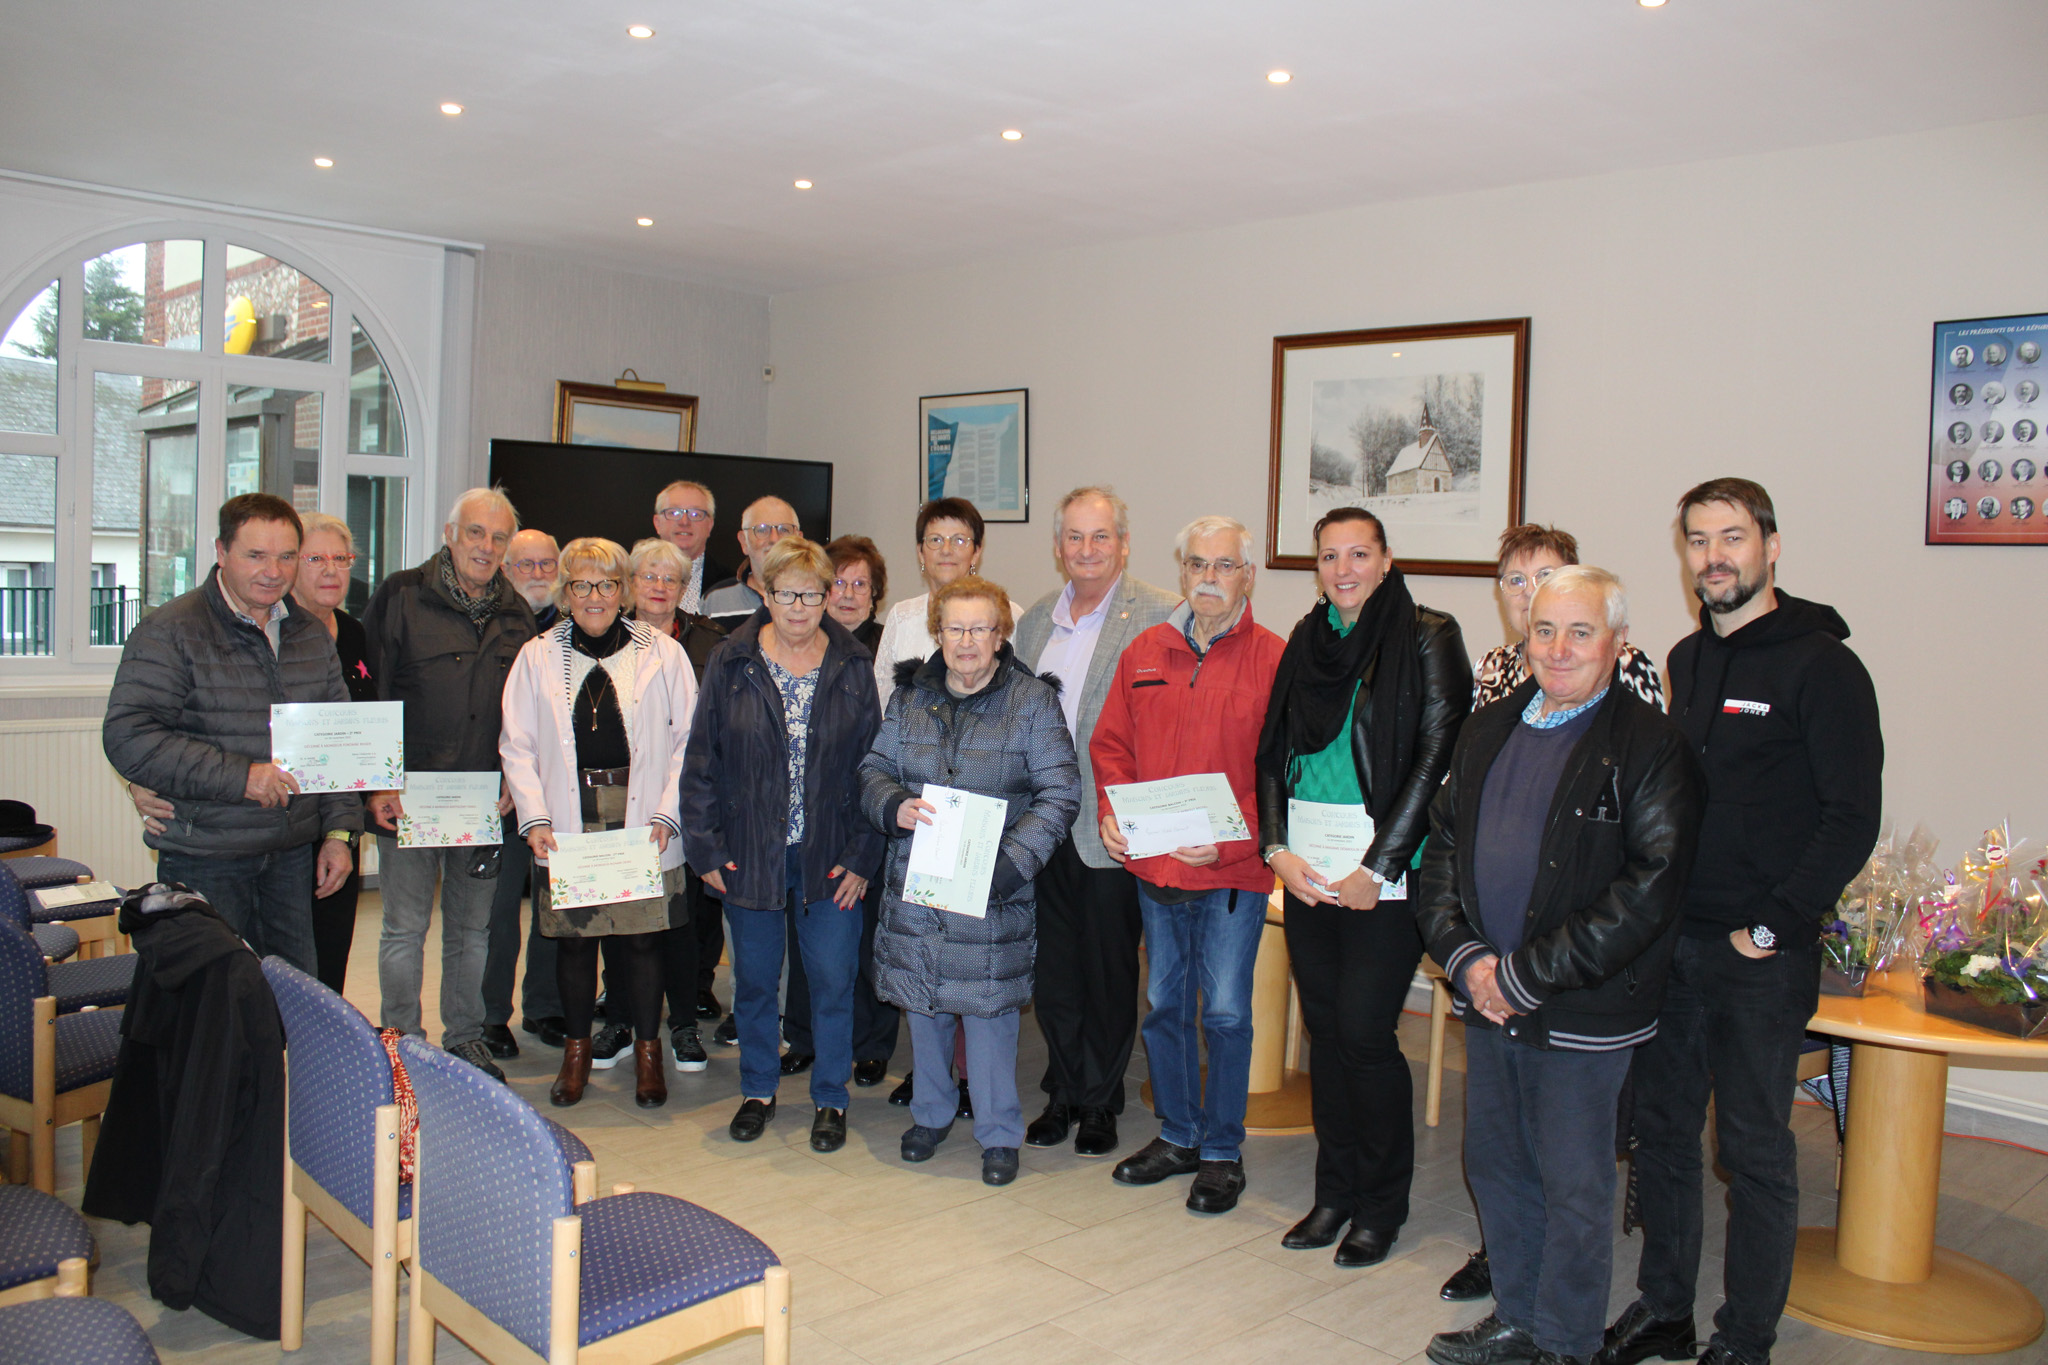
1207 944
1539 1152
828 940
267 898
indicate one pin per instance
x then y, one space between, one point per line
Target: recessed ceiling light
1651 4
1279 77
644 222
1012 135
639 31
323 162
803 184
451 108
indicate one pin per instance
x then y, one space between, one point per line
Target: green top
1330 775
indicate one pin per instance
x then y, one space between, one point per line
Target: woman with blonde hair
597 713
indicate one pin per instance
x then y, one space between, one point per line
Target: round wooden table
1878 1274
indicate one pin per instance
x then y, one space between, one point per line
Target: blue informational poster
1985 480
976 446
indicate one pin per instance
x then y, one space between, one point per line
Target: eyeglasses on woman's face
319 563
1516 581
603 587
789 597
936 542
852 587
660 580
955 634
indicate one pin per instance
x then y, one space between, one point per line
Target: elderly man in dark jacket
442 638
1550 889
189 717
974 718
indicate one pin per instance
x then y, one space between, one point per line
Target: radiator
58 767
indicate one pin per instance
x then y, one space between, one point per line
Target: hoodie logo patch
1733 707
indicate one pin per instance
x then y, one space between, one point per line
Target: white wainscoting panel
57 766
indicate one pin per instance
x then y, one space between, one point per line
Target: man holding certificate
189 718
1177 738
442 640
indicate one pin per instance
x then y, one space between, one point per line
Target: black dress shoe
871 1072
1473 1280
727 1034
1154 1162
1098 1133
500 1041
1322 1227
551 1029
795 1062
1363 1247
1216 1188
1639 1334
1050 1129
751 1120
708 1006
900 1096
828 1130
1488 1341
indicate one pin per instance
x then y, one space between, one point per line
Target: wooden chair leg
42 1138
583 1178
292 1293
775 1320
565 1291
384 1239
419 1326
72 1278
1439 1016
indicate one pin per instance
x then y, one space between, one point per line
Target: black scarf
1311 702
479 607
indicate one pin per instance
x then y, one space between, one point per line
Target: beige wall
541 318
1768 316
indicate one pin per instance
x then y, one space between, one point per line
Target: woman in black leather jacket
1365 710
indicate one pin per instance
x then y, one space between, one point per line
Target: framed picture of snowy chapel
1422 426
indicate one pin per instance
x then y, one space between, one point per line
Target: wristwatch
1762 936
347 836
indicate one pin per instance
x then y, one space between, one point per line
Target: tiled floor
899 1265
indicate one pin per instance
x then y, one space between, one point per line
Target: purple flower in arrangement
1949 938
1839 928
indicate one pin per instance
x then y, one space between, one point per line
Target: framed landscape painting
606 415
1422 426
977 446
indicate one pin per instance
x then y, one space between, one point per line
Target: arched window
145 380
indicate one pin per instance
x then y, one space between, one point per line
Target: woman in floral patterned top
1528 555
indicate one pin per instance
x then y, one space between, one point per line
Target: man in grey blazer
1089 924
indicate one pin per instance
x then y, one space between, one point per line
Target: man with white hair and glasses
684 513
1189 697
442 640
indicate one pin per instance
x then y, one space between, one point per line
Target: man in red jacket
1188 699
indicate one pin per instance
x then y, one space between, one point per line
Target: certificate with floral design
340 746
604 868
445 809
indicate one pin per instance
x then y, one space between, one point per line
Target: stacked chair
92 923
506 1259
56 1068
342 1151
45 1318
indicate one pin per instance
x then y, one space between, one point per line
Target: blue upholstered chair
55 1069
45 1246
341 1150
72 1331
92 922
505 1260
40 872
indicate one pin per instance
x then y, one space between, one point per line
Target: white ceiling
1139 118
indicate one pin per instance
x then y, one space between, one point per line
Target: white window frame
73 656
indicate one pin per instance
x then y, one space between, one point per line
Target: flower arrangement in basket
1986 961
1878 912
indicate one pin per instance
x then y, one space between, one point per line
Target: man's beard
537 596
1737 597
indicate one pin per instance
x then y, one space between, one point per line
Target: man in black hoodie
1783 718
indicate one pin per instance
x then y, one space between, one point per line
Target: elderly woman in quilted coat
973 718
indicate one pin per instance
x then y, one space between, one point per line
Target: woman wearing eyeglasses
1529 554
949 535
596 715
970 717
770 815
660 574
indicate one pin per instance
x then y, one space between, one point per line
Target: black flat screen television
583 490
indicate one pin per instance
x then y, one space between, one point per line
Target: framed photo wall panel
643 419
1985 448
977 446
1422 426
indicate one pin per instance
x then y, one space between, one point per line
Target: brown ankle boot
575 1073
650 1089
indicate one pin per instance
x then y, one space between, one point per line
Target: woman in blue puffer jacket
973 718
